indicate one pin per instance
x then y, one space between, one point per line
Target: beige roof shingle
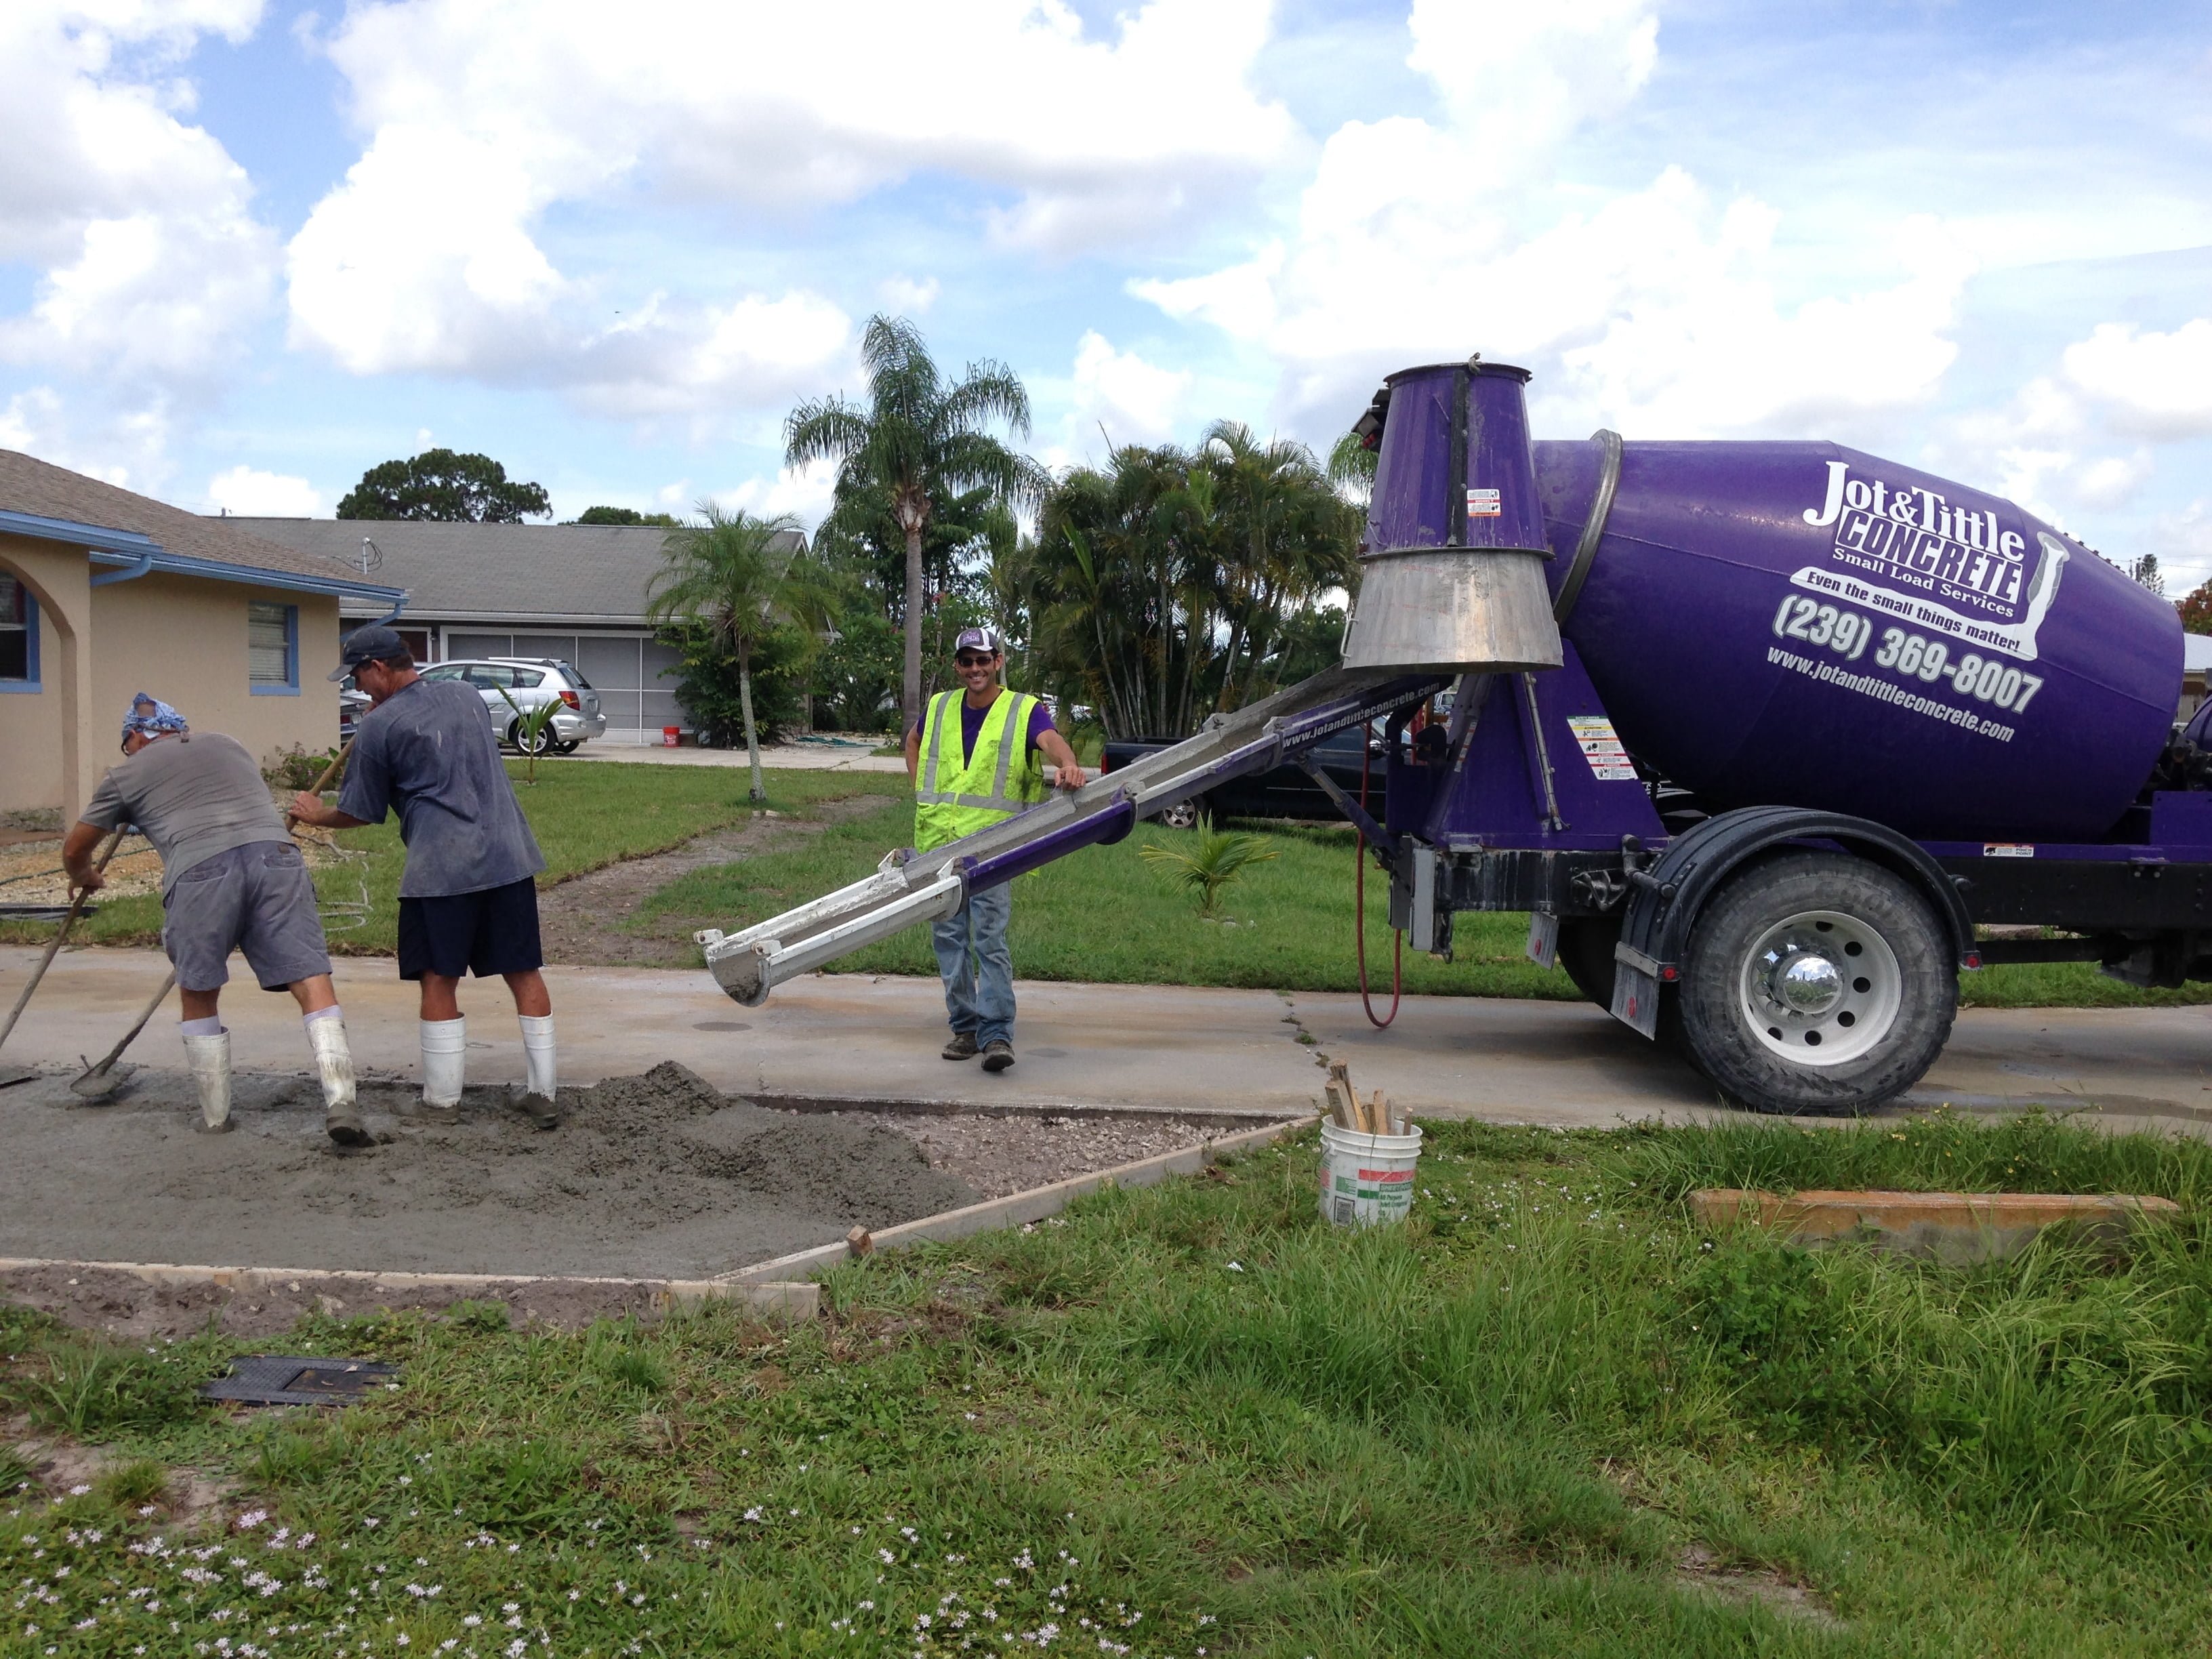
33 486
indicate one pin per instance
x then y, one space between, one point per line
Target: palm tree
737 577
916 442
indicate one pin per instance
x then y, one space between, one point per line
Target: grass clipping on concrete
1547 1416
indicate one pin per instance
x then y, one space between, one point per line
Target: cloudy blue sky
249 248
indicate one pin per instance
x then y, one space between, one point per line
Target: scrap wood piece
1950 1227
860 1241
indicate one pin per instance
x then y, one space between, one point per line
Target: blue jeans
976 967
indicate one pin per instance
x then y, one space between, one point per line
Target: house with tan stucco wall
104 593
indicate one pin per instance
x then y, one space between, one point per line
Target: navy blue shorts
487 933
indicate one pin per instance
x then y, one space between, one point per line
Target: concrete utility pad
656 1176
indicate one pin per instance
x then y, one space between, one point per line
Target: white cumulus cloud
140 224
483 118
2159 385
1132 401
1659 310
248 492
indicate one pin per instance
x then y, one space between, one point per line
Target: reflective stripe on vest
956 796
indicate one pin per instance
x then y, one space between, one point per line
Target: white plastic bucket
1367 1179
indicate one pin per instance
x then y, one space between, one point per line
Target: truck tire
1586 955
1817 983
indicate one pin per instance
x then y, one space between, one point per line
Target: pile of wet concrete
659 1174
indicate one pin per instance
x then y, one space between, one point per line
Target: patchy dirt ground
657 1176
592 920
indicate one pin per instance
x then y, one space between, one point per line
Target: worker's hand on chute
1066 777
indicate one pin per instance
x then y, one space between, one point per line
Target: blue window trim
30 683
291 686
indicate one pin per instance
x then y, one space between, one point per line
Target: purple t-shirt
971 723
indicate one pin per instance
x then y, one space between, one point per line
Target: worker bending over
231 879
973 759
467 902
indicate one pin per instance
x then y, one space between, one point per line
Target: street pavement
875 1038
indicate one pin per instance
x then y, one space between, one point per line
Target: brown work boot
998 1055
963 1046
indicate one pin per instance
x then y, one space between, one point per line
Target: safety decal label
2007 849
1600 747
1485 504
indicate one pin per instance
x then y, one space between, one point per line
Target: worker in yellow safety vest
973 760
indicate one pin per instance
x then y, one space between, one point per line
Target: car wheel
568 748
1816 982
541 745
1184 815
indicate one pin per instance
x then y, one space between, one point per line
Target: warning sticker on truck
1485 504
1600 747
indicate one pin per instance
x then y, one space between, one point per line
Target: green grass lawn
583 813
1104 915
1193 1419
1101 915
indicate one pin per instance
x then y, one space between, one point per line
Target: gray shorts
257 898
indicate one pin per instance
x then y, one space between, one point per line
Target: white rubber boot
334 1062
445 1066
540 1070
210 1060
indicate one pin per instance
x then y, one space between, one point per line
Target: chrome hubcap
1821 987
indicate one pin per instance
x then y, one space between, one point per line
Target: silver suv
515 687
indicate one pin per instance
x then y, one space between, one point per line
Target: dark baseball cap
978 639
370 644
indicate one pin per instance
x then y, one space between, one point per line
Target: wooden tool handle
76 905
330 776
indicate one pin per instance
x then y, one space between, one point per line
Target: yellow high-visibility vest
954 798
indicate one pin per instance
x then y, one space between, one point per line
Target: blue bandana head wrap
151 716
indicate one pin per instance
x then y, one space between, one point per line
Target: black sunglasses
966 660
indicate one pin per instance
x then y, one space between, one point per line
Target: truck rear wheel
1816 982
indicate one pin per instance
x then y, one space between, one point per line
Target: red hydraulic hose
1359 918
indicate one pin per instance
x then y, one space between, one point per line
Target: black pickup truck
1284 792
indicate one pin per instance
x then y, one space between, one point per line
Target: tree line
1141 594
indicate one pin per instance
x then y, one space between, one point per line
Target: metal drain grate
269 1379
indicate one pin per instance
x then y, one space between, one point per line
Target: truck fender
1664 900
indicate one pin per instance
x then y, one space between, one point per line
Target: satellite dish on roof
368 558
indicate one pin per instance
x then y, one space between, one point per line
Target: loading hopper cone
1454 576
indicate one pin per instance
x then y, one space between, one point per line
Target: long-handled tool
330 776
18 1073
101 1080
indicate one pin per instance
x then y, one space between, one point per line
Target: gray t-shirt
429 750
192 795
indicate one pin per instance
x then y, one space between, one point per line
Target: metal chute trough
1759 734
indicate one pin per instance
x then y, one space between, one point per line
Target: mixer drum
1803 624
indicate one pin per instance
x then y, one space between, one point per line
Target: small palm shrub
1208 863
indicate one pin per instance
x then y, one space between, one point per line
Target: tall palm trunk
913 601
752 734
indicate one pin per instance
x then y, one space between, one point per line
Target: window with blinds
271 643
16 618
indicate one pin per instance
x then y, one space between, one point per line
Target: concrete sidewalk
857 1037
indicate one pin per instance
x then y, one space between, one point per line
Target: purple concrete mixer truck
1761 736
